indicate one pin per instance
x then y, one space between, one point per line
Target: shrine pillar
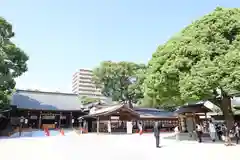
182 122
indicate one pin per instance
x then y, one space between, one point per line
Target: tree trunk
130 104
227 112
228 116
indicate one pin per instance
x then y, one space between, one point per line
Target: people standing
177 133
224 131
156 130
212 131
219 132
109 127
226 135
140 127
237 132
199 132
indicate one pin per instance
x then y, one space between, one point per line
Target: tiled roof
145 109
39 100
193 108
100 104
106 110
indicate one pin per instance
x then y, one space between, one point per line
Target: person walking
156 130
109 127
177 132
212 131
226 135
140 127
219 132
237 132
199 132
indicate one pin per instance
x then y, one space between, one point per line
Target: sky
62 36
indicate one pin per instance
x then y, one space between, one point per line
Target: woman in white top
140 128
199 132
212 131
109 127
177 132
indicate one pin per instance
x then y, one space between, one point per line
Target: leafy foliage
147 101
120 80
87 100
12 62
197 62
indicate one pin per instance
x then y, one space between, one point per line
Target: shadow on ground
205 139
37 133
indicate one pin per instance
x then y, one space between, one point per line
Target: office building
83 85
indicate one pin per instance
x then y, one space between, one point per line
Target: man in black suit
156 130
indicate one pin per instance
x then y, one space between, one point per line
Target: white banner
129 127
48 117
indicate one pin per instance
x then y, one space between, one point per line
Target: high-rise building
83 85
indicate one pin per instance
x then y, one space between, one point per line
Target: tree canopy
201 62
120 80
12 62
87 100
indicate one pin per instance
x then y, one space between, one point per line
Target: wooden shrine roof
193 108
108 110
38 100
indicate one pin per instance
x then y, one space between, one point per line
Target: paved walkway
111 147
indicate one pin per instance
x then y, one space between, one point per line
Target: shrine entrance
116 118
49 120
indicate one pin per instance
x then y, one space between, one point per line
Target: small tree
119 80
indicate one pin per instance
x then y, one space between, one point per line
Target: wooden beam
40 120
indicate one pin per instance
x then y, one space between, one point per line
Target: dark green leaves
87 100
120 80
12 62
203 57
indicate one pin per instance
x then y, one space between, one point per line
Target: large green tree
202 62
120 80
12 62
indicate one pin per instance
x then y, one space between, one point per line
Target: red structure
47 133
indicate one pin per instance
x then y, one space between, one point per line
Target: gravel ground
114 147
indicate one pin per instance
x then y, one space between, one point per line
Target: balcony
87 93
86 85
86 81
85 89
85 77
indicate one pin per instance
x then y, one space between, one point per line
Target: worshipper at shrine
109 127
226 135
199 132
177 132
219 131
224 130
156 130
140 127
212 131
237 132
